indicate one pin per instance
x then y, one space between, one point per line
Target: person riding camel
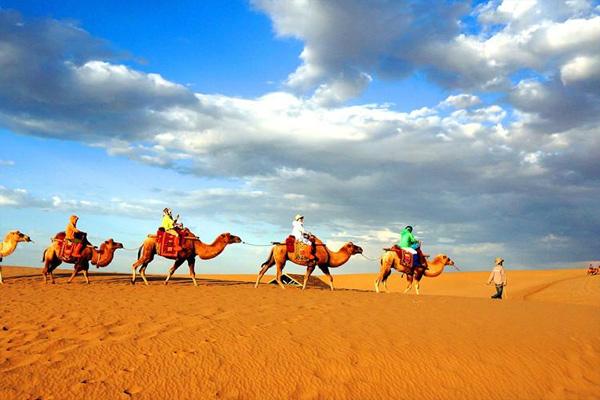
409 243
303 236
168 222
74 235
171 226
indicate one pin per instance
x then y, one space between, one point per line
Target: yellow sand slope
226 339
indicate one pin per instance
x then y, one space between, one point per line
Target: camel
390 260
9 245
98 257
191 247
326 259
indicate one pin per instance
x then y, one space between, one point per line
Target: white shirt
298 231
497 275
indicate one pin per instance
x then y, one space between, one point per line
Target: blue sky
364 116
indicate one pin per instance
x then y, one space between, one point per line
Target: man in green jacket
407 240
409 243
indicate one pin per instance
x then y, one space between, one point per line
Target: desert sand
226 339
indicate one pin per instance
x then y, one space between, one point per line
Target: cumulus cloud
461 101
346 41
464 172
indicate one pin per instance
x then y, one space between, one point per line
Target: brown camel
390 260
191 247
326 259
98 257
8 246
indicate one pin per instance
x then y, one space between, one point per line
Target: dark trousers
498 294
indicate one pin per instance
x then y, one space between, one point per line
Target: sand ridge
226 339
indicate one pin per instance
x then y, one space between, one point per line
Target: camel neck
102 257
208 251
340 257
435 267
7 247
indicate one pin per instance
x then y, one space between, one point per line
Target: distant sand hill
225 339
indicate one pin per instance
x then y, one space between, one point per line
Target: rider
303 236
73 235
169 224
409 243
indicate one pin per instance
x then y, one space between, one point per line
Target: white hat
298 217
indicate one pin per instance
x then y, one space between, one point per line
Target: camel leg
325 270
409 278
191 263
386 275
172 270
309 271
278 276
1 281
143 274
265 267
378 281
85 268
49 267
75 271
143 261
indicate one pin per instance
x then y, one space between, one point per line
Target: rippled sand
225 339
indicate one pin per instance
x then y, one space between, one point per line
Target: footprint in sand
131 391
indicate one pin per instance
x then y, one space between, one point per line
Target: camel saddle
168 244
70 251
409 260
300 250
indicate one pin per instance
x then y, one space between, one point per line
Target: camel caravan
175 242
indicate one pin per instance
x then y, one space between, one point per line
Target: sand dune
226 339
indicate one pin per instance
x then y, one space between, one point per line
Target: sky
476 122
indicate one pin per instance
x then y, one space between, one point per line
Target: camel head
230 239
447 261
354 249
111 244
17 236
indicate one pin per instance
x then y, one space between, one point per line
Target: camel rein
369 258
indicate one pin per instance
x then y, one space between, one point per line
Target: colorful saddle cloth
69 251
407 259
301 251
168 243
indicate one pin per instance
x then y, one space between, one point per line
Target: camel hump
60 236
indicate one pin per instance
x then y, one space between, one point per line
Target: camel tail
140 251
270 260
44 255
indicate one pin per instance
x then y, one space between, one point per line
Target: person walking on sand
498 276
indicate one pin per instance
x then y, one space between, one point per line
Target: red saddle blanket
68 251
167 243
290 242
406 258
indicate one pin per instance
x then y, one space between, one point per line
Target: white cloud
579 69
461 101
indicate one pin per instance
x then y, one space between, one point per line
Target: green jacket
407 239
